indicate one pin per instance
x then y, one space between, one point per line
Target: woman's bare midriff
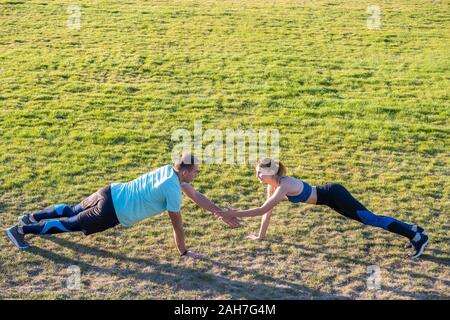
313 196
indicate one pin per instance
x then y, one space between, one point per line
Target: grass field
369 108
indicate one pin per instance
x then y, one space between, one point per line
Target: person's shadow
437 256
187 278
433 256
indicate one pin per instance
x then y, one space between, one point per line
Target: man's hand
232 222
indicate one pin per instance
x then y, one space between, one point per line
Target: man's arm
178 231
203 202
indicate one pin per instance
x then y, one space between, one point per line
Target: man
125 204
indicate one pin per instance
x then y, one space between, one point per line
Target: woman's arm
265 221
270 203
263 229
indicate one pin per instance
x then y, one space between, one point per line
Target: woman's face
262 175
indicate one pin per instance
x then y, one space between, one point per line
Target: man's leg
56 211
99 216
52 226
17 233
60 211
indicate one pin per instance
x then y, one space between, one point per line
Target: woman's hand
255 238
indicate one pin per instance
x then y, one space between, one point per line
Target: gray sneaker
17 238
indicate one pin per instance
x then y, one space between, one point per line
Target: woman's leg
339 198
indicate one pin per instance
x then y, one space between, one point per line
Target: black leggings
339 199
71 224
94 214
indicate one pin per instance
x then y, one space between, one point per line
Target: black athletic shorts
98 212
337 197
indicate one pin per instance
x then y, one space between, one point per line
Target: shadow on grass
407 294
429 254
417 295
433 255
439 260
329 256
186 278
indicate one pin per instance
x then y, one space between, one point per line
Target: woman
281 187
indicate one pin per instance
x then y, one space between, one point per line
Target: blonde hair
275 167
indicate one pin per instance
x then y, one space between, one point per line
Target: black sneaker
17 238
419 246
416 229
25 220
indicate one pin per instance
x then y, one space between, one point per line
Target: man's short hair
185 161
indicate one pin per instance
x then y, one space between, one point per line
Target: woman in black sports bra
281 187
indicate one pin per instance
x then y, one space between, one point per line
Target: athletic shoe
416 229
17 238
419 246
25 220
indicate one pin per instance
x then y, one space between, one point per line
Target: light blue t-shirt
147 195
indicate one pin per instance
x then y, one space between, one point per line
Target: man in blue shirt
124 203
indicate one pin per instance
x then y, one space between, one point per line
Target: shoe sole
422 248
11 237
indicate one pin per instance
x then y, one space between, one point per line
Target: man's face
189 175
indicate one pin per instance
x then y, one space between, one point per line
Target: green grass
367 108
